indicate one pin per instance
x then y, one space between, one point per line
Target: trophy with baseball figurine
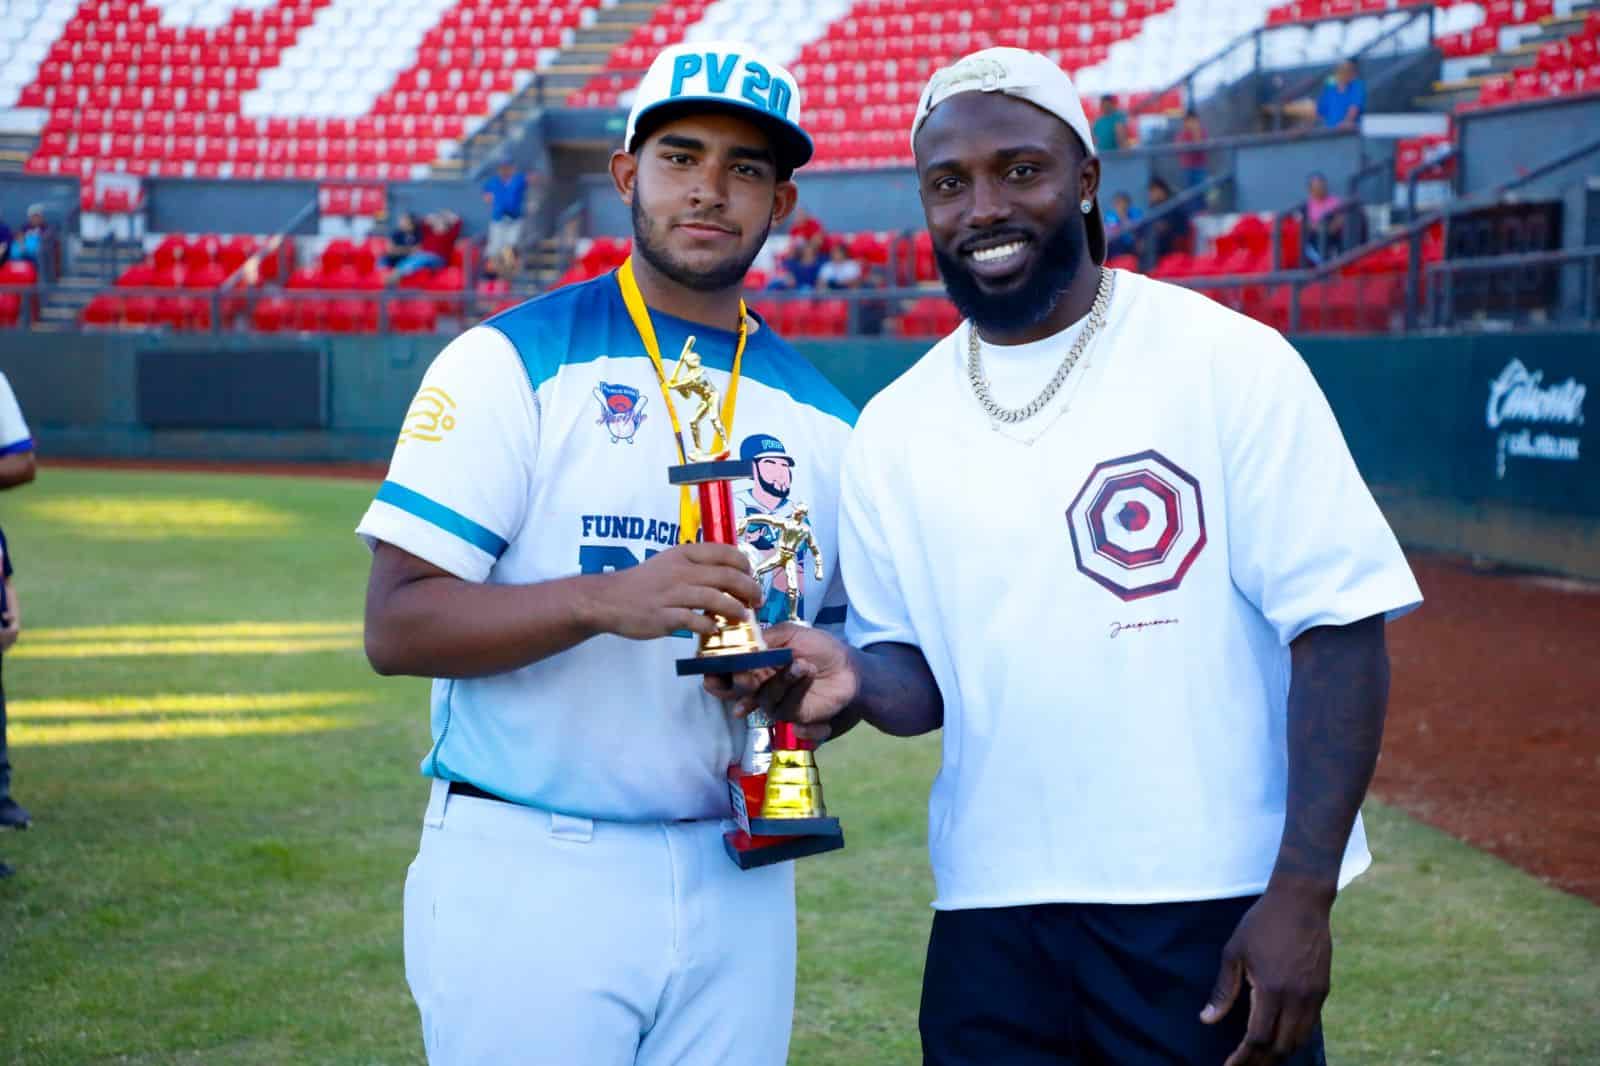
737 644
775 788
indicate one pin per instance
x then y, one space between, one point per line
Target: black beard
771 489
725 275
1037 296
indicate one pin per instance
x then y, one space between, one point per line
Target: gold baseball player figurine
793 535
694 385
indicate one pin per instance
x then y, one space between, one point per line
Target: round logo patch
1137 525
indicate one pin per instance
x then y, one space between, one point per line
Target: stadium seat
251 69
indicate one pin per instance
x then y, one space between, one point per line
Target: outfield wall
1476 444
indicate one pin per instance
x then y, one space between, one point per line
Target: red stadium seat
104 310
413 316
17 272
271 315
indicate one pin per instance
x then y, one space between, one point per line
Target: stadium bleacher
267 89
159 89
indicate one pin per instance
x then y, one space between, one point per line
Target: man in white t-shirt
571 901
1108 536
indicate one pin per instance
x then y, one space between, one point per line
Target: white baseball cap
721 76
1028 76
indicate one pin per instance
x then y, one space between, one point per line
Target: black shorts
1083 984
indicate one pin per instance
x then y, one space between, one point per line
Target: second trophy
775 789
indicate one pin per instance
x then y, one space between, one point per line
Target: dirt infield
1494 718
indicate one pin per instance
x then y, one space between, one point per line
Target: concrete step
569 62
1472 84
1515 59
612 33
634 11
559 82
1446 101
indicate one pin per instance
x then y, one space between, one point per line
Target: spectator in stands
1343 98
805 227
1122 217
30 243
1194 162
437 244
1324 220
403 240
1172 232
800 268
5 241
841 271
1111 128
506 193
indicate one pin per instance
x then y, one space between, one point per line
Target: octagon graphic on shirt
1137 525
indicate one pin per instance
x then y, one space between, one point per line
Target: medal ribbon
688 507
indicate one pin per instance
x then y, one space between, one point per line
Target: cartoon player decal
766 493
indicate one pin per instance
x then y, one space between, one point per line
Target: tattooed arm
1338 695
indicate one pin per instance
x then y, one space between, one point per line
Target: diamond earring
1085 206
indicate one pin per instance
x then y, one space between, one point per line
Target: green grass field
223 817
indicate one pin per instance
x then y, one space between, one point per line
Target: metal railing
1428 166
1305 300
306 311
1508 282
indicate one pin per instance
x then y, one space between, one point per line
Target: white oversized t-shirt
537 448
1107 608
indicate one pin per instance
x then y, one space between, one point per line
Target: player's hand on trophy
681 588
814 688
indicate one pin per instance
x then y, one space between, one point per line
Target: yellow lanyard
688 506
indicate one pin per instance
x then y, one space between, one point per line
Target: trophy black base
748 853
733 664
715 470
797 827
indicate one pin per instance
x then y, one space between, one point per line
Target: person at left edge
17 467
571 901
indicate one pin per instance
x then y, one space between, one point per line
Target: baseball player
571 901
17 467
1107 536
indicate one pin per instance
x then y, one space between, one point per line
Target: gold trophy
737 644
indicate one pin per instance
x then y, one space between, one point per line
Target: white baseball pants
534 938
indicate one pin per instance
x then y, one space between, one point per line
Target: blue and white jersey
14 433
537 448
